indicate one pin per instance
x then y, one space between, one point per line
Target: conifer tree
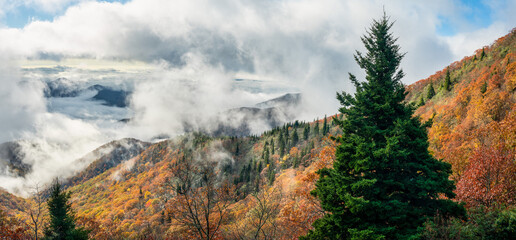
430 93
421 102
266 155
316 127
295 137
384 183
325 126
62 219
483 88
281 143
447 81
271 173
306 132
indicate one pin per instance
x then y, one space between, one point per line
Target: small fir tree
325 126
281 143
447 81
306 132
316 127
266 155
421 102
62 219
384 183
271 173
295 137
430 93
483 88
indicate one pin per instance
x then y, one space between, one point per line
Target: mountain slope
479 108
107 156
474 121
134 196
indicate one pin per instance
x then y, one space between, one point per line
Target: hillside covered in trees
258 187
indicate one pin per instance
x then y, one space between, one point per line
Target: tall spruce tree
62 219
325 127
384 183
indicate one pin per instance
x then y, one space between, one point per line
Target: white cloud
21 101
49 141
464 44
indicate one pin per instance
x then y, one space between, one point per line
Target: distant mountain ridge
96 162
287 100
11 160
107 156
111 97
63 88
271 113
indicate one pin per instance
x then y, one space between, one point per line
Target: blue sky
21 14
476 13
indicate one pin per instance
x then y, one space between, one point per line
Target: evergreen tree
482 55
259 168
287 135
316 127
266 155
295 137
141 200
447 81
306 132
272 146
62 219
237 149
430 92
281 143
325 126
271 173
384 183
483 88
421 102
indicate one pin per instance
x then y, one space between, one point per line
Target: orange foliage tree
489 177
11 228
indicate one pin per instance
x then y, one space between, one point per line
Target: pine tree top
379 99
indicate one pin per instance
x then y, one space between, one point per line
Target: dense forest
262 187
